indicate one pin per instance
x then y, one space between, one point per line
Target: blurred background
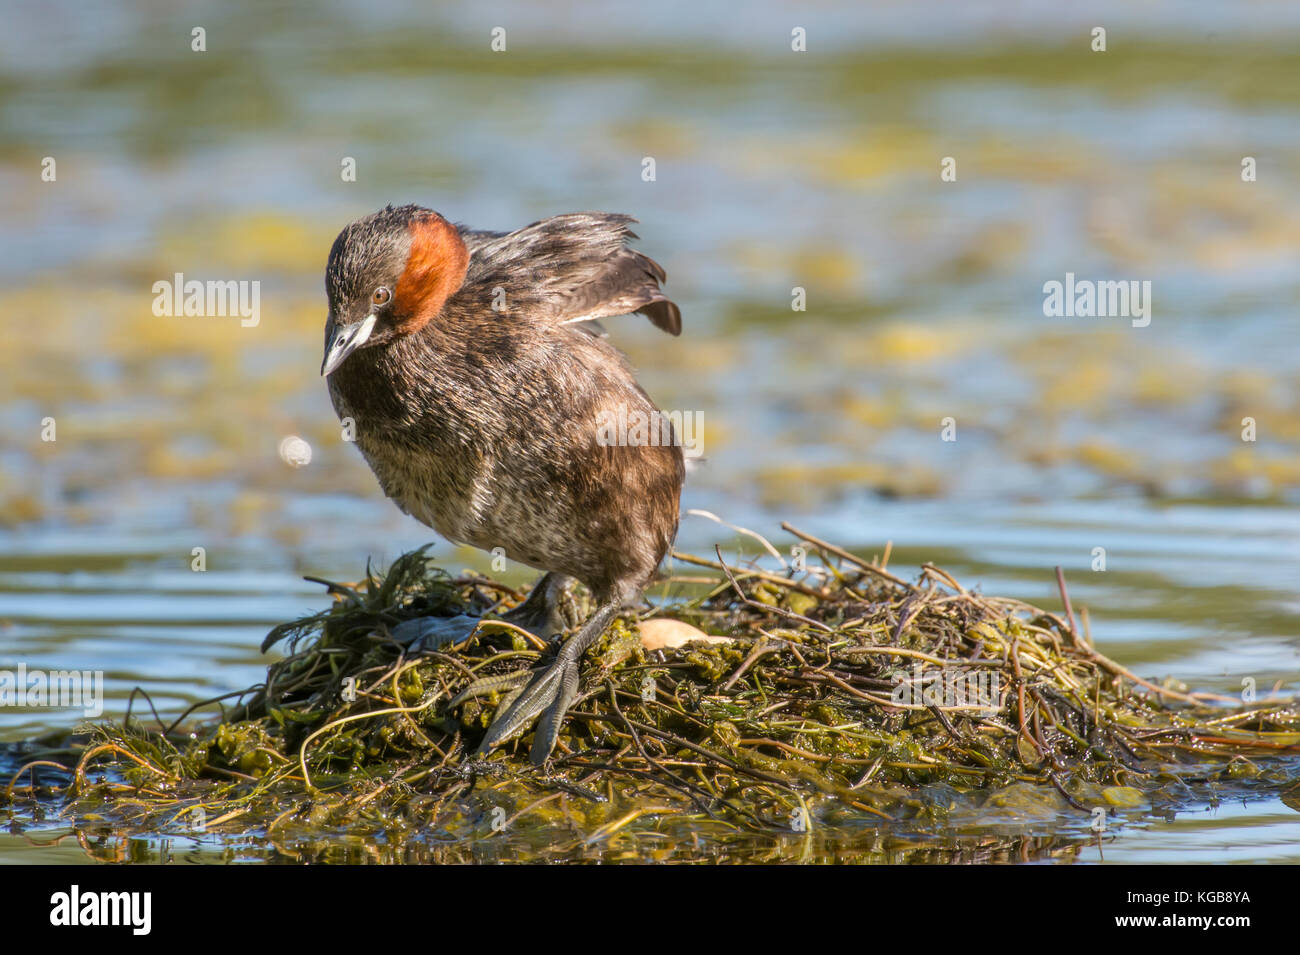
774 169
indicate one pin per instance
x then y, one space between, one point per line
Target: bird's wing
569 269
475 238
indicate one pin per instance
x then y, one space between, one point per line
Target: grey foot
548 695
511 683
432 633
548 609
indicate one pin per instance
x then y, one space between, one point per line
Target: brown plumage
469 363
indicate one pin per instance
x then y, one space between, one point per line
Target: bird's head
389 274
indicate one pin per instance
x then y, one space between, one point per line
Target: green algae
845 693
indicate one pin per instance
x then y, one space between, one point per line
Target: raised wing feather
568 269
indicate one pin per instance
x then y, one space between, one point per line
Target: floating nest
841 695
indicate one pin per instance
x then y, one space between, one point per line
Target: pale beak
346 340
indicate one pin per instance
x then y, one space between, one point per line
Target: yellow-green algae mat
845 694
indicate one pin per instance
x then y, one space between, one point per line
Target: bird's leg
550 692
543 610
533 605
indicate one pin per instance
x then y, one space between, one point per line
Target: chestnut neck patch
434 270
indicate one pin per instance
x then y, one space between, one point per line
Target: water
773 170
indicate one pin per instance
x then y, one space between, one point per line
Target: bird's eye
381 296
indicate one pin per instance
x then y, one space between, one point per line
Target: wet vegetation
775 170
841 697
